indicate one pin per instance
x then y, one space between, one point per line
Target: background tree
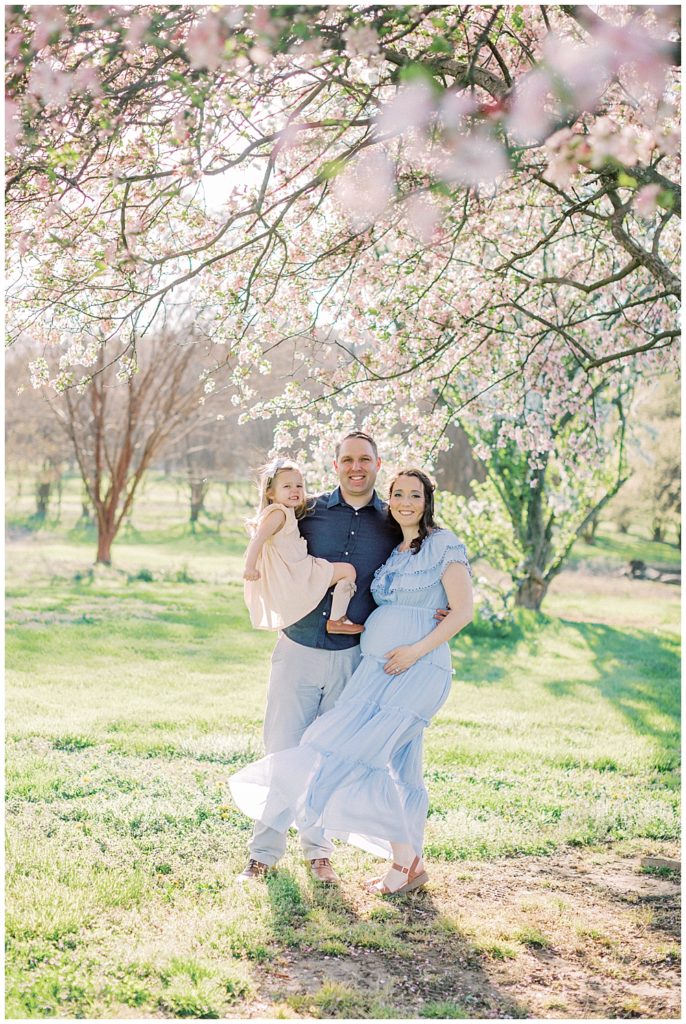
120 422
652 496
526 516
35 448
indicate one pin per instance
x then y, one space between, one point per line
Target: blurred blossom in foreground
205 43
422 216
12 126
476 159
582 71
361 42
645 203
528 120
454 107
410 108
365 189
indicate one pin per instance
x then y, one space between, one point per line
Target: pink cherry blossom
13 44
365 189
423 217
411 107
205 43
49 85
645 201
584 70
361 42
530 118
48 20
633 44
454 107
86 79
12 126
137 29
475 159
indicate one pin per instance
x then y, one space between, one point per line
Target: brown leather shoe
343 626
255 871
323 872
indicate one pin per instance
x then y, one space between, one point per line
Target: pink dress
291 582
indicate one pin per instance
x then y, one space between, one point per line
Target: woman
358 769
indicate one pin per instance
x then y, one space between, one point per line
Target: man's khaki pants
303 684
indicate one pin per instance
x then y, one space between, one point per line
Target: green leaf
332 168
441 188
301 30
416 73
665 199
626 180
441 45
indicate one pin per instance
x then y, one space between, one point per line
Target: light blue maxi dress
357 772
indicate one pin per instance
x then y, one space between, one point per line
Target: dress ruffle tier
357 771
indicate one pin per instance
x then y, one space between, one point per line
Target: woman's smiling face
407 501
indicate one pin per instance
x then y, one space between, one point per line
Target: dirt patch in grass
581 934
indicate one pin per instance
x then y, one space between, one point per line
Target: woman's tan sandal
415 880
343 625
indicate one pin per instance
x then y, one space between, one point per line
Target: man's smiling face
357 467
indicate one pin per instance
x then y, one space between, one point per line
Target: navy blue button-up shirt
336 531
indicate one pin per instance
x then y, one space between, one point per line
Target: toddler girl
282 582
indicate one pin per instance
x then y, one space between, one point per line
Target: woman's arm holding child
270 525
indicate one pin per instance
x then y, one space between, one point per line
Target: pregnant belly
393 625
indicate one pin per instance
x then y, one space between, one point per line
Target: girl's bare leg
343 571
344 577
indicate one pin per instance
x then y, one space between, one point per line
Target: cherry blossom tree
449 205
527 514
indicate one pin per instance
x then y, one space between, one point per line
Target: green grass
612 549
130 701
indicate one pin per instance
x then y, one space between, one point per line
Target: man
309 666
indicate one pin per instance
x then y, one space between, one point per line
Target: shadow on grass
484 653
638 673
401 958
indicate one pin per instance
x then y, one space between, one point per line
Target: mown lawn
132 694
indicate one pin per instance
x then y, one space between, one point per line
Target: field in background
133 692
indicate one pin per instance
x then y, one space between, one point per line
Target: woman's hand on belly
401 658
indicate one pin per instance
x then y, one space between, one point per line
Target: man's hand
441 613
400 659
251 574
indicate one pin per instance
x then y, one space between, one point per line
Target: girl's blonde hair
267 475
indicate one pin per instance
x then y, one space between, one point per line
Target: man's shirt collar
337 499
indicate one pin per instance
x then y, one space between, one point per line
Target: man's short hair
363 437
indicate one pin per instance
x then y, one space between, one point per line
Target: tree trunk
531 592
42 499
106 517
657 533
588 532
198 492
105 539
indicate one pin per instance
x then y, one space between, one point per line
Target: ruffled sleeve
453 551
425 569
291 521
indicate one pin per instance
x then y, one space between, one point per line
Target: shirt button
346 552
352 533
324 614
